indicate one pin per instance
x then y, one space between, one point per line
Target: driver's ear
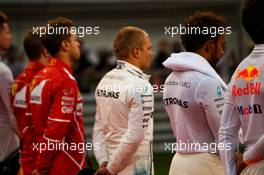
136 52
65 45
209 46
45 53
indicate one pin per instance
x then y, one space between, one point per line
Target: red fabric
257 159
56 106
22 113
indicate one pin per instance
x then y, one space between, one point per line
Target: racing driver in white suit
194 97
123 129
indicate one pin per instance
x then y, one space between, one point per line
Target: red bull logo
248 73
250 89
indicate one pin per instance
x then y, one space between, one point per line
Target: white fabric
193 98
254 169
244 109
185 61
123 128
8 127
9 142
196 164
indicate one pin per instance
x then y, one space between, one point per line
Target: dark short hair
52 42
3 19
194 41
126 39
253 19
33 45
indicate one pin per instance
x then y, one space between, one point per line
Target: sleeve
132 137
228 135
210 96
6 79
255 153
101 154
61 114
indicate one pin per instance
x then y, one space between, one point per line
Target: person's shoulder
208 81
21 76
199 75
5 73
65 75
209 85
4 69
24 75
137 82
50 74
194 78
115 75
52 77
134 76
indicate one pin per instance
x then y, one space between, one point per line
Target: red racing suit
20 103
56 106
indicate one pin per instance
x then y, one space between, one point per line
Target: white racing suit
123 129
244 109
193 98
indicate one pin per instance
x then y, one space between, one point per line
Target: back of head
253 19
57 30
194 37
126 39
3 19
33 45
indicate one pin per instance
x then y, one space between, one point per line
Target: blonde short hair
126 39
